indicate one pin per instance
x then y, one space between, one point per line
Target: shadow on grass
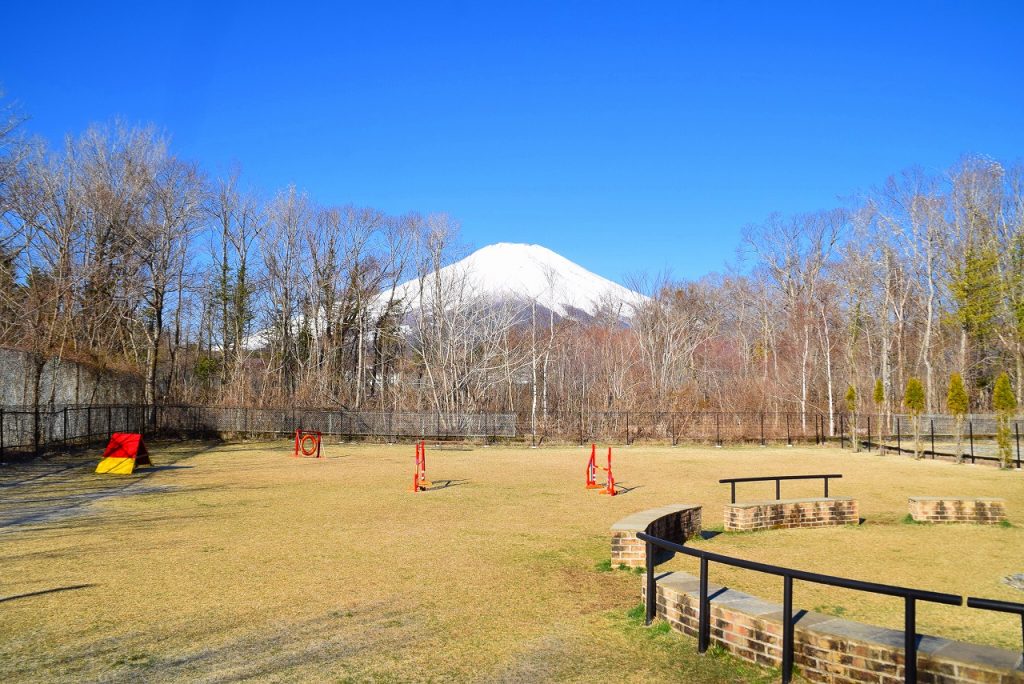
41 592
52 488
445 484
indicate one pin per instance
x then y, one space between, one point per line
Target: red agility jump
609 485
419 476
307 444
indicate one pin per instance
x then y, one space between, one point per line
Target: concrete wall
63 382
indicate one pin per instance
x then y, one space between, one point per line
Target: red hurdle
419 475
609 485
307 444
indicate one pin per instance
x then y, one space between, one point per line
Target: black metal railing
909 595
731 481
1001 607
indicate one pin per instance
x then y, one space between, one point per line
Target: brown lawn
236 562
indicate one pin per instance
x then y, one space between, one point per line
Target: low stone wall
951 509
764 515
675 523
826 648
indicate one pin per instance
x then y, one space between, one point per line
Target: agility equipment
124 451
307 444
419 476
609 485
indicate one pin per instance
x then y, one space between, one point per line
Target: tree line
116 252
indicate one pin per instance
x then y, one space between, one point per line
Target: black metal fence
24 428
713 427
29 431
910 598
937 435
894 431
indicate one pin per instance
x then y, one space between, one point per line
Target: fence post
652 589
932 420
718 429
816 439
65 440
869 433
2 435
627 428
970 428
910 640
88 424
704 618
899 443
110 422
787 628
789 436
842 431
35 430
1017 434
762 429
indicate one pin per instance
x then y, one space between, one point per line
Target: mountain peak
529 272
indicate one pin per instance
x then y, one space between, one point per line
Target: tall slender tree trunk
828 375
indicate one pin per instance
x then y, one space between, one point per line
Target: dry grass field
232 562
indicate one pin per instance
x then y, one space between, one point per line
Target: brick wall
675 523
763 515
948 509
826 648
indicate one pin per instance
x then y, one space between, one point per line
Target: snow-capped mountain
508 270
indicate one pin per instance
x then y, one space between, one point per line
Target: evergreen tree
913 400
1005 404
958 404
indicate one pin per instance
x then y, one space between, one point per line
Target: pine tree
1005 404
913 399
958 404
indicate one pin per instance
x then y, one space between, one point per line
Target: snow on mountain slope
526 272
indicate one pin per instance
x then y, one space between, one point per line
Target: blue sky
628 137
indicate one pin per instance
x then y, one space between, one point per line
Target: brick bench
675 522
951 509
827 649
785 513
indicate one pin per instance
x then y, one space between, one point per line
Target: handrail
909 595
731 481
1001 607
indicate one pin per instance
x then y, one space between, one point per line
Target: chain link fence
24 430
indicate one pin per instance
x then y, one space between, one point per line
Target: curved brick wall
675 522
826 648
